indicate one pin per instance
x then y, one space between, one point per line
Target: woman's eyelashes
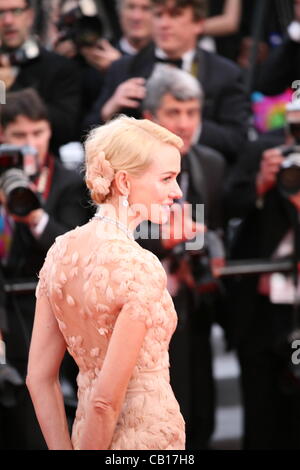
167 178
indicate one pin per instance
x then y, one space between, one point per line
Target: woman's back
92 274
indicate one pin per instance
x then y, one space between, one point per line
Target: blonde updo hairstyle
122 144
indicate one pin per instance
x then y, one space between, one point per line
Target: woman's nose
176 192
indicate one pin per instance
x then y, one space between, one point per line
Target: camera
82 25
201 261
17 166
288 178
293 120
27 52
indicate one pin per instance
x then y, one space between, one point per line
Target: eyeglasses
14 11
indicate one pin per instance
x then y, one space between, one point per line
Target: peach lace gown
89 275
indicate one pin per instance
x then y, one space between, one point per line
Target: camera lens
289 180
294 130
21 200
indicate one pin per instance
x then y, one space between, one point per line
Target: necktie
175 62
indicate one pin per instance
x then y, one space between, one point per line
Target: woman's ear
122 182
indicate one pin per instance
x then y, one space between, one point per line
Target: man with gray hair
135 21
174 100
165 88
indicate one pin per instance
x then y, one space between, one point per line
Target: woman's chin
161 216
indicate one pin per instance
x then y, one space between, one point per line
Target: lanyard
44 180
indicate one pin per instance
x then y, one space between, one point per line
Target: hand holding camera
79 28
18 165
181 227
101 55
269 168
127 95
32 219
66 48
280 166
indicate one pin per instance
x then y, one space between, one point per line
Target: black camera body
200 261
28 51
82 29
288 177
16 185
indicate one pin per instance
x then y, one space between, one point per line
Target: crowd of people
183 65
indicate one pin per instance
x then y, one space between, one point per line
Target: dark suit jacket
67 208
57 81
226 108
280 69
240 190
259 234
206 169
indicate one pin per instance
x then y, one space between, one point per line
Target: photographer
55 202
77 28
265 190
24 63
135 18
81 31
81 36
176 27
174 100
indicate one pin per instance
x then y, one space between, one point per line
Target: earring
125 201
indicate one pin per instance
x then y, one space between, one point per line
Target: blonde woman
104 298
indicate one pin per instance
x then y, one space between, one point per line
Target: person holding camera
135 18
264 190
80 31
76 32
174 99
40 201
25 63
80 35
176 27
